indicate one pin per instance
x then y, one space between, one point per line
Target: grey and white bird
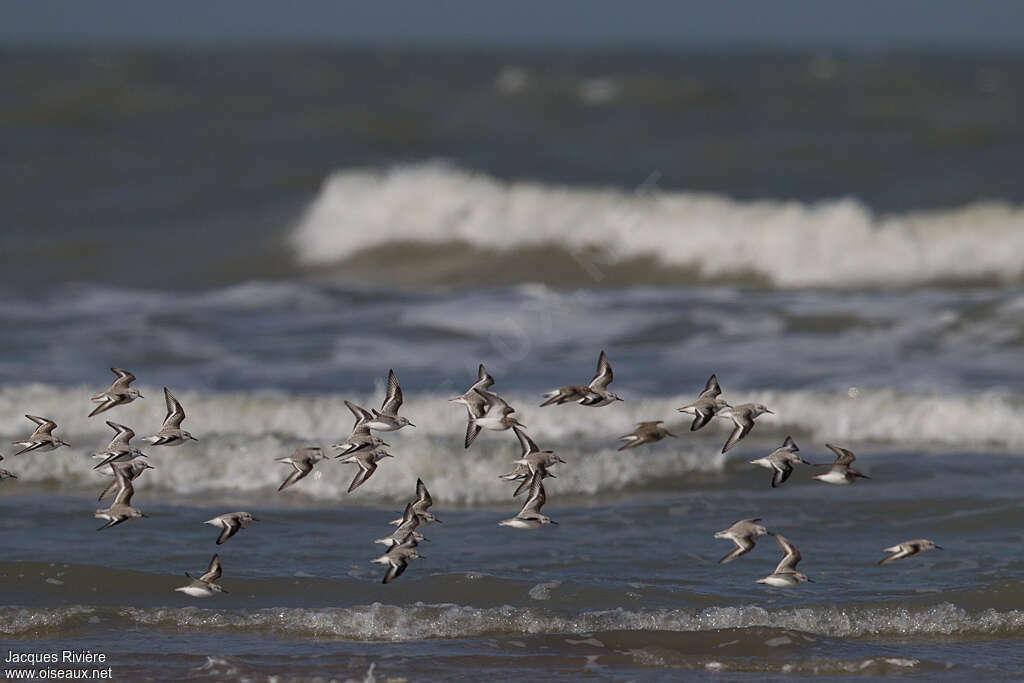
119 392
909 549
785 574
302 461
744 534
206 585
420 506
406 525
397 557
230 523
387 418
360 438
130 469
119 449
645 432
367 461
532 460
743 417
781 461
42 439
121 509
496 416
840 473
530 516
595 394
706 406
171 433
475 402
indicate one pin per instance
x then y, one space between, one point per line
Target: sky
654 24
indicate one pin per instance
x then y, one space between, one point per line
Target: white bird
121 510
119 449
119 392
206 585
387 418
475 402
230 523
397 558
781 461
595 394
360 438
367 461
743 417
706 406
42 439
530 516
302 460
840 473
744 534
131 470
785 574
645 432
495 415
909 549
171 433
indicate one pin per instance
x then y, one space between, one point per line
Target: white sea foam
420 621
838 243
241 434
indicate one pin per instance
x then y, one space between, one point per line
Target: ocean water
267 232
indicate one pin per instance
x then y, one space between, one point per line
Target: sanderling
840 473
360 438
475 402
781 460
495 416
367 461
119 449
706 405
595 394
42 439
387 418
744 534
909 549
118 393
397 557
530 517
230 523
406 525
206 585
420 505
743 417
302 460
121 509
533 460
171 433
131 470
5 474
645 432
786 575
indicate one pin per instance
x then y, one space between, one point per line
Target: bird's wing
393 400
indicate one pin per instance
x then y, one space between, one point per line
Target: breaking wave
242 433
455 226
379 622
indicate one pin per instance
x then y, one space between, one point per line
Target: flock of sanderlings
485 410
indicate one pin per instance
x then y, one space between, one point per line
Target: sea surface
267 232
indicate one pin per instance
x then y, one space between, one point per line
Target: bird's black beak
939 547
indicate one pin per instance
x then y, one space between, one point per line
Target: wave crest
697 237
